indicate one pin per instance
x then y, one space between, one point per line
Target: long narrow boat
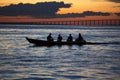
51 43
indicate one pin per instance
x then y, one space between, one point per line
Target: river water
23 61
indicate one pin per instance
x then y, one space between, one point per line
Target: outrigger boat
51 43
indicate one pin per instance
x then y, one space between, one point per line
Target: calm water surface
23 61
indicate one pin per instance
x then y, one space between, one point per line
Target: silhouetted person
59 39
80 38
70 38
49 37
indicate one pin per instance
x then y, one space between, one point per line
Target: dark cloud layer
44 9
118 14
116 1
91 13
37 10
85 13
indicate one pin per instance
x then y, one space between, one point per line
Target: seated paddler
70 38
49 37
80 38
59 39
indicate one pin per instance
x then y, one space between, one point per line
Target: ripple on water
20 60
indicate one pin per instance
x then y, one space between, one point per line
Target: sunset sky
77 6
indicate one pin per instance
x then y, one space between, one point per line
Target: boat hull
50 43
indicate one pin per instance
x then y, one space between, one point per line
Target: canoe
51 43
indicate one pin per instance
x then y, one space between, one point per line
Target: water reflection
20 60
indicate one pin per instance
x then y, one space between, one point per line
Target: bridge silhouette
105 22
110 22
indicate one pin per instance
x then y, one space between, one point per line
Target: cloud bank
116 1
39 9
44 10
118 14
85 13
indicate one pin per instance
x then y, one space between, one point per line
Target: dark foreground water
23 61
